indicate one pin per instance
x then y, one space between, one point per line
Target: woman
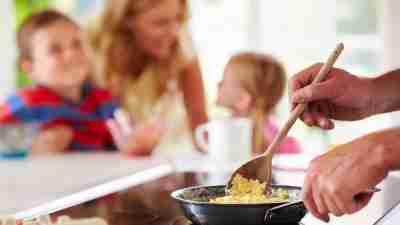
143 47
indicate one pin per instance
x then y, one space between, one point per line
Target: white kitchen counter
391 188
27 187
35 184
39 183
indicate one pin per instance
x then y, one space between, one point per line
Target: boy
70 112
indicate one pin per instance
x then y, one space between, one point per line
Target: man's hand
340 96
335 180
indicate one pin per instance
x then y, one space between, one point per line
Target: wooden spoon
260 167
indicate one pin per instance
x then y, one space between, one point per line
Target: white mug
229 140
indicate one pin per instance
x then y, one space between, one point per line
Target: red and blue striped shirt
42 106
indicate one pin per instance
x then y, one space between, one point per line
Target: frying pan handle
291 212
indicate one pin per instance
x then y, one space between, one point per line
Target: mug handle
199 135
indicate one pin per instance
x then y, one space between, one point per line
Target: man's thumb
313 92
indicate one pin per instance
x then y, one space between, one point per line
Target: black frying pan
195 204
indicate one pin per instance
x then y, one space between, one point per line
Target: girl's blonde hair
264 78
138 91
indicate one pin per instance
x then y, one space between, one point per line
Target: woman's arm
193 94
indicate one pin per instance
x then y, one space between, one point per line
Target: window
220 28
358 25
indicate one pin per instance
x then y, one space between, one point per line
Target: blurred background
299 33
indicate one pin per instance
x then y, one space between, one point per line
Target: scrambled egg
245 191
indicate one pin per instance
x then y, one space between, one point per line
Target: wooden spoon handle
301 107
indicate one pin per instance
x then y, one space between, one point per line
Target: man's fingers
308 119
314 92
294 85
313 117
320 117
320 202
330 201
359 202
304 77
307 196
310 204
324 116
341 205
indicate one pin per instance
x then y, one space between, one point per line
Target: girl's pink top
288 146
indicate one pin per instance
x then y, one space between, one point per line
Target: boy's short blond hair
32 24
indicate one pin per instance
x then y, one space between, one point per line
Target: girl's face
156 30
231 94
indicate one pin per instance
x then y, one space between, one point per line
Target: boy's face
59 58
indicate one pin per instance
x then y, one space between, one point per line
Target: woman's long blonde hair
138 91
264 78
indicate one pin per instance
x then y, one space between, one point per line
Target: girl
251 87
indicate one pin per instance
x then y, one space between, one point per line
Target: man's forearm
385 92
387 148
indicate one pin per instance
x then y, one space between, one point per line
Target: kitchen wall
391 43
7 55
